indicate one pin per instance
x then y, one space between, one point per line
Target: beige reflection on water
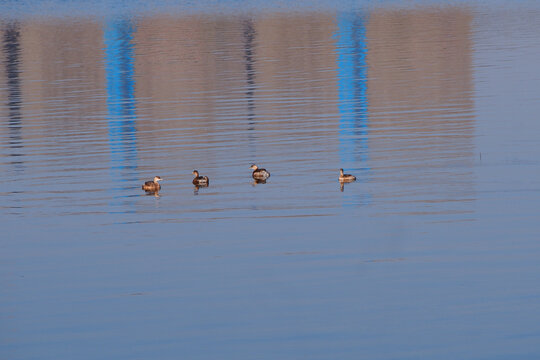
421 122
224 89
62 79
261 81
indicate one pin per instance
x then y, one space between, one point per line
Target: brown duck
152 185
259 174
200 180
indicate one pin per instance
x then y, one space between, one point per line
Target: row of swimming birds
259 175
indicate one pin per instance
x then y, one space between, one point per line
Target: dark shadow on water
12 50
249 62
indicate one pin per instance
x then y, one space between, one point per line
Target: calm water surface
433 253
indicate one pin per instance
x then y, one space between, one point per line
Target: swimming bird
200 180
259 174
346 177
152 185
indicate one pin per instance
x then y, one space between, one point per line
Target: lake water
433 253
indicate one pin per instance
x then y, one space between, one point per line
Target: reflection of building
178 73
351 48
120 99
420 96
352 79
430 49
388 88
211 71
11 50
296 90
61 83
249 60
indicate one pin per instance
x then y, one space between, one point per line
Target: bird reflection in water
197 187
342 185
154 193
258 181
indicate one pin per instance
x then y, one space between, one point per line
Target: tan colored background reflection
223 91
420 100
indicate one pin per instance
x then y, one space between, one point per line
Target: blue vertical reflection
353 102
121 105
352 80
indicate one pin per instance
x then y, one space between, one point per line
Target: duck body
259 174
346 177
152 185
200 180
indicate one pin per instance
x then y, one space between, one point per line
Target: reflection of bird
153 193
197 187
200 180
346 177
259 174
152 185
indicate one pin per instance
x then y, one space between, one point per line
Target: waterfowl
152 185
346 177
259 174
200 180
